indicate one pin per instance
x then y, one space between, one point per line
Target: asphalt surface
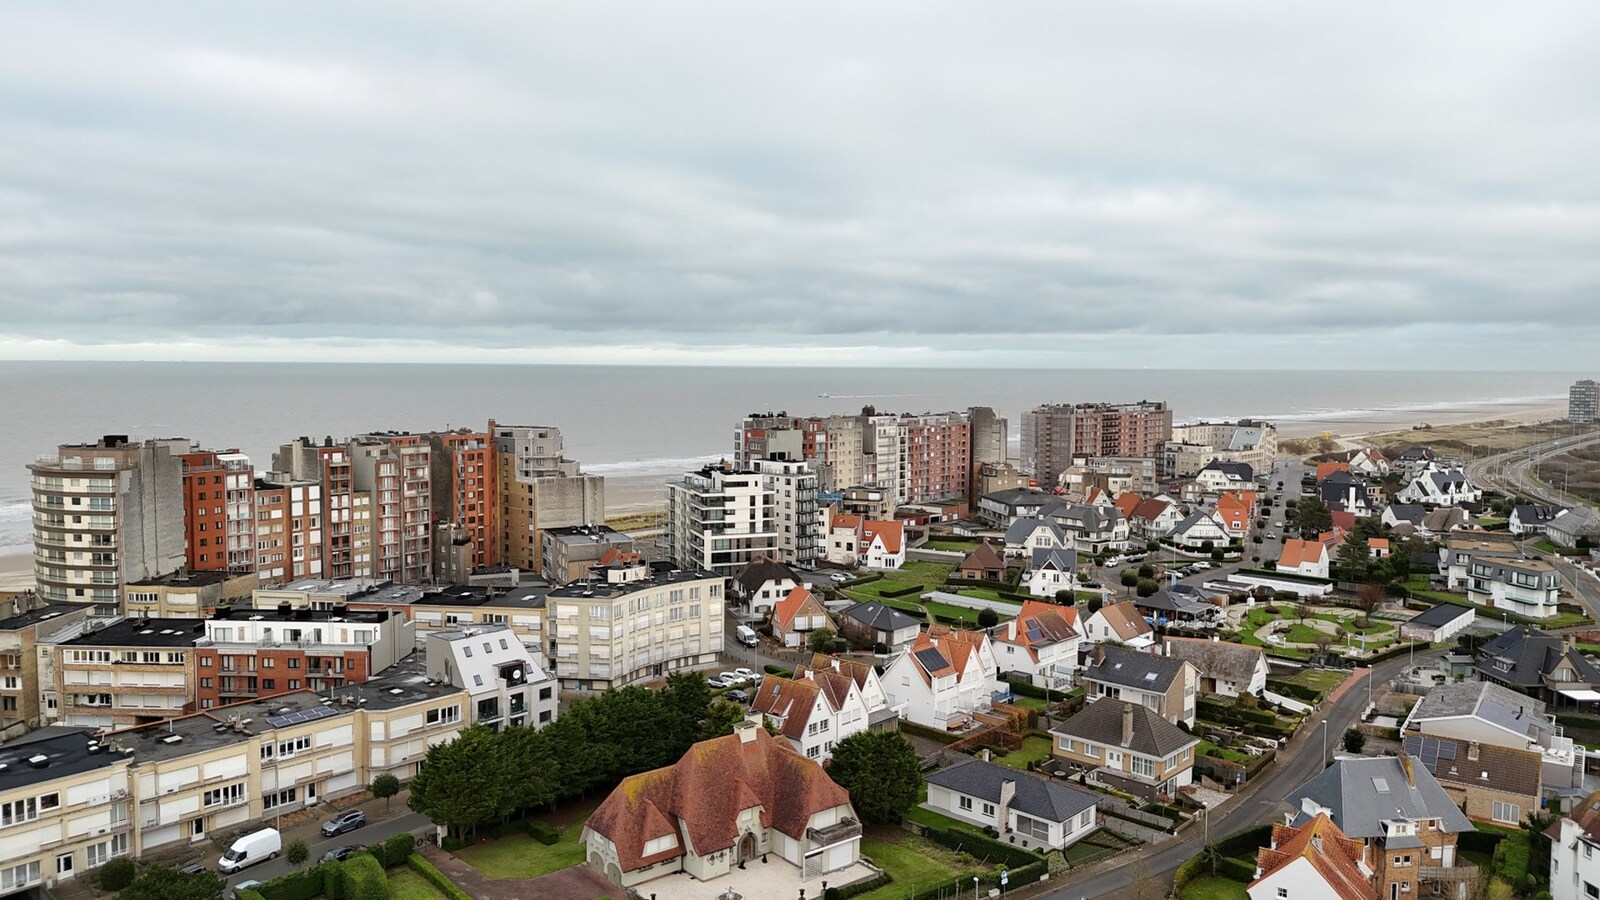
309 832
1260 802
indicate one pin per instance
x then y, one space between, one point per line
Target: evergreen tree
1352 560
461 782
720 719
166 883
881 772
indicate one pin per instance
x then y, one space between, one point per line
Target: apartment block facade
1053 434
246 654
721 519
798 519
539 488
289 529
1583 402
634 623
393 469
329 467
29 621
219 511
466 490
105 514
185 595
119 676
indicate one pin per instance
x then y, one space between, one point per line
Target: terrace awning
1579 693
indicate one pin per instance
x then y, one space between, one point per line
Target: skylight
1380 785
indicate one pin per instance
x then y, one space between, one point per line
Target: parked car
340 854
716 682
1272 535
746 674
196 869
1201 566
344 822
737 696
249 884
733 678
841 576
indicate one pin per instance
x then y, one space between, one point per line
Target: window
49 801
19 811
1086 818
294 663
1507 812
444 715
268 662
1144 766
1282 893
18 876
965 803
813 752
227 795
273 799
1033 827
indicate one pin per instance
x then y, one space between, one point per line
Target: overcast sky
1393 185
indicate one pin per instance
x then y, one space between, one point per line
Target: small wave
1319 414
659 465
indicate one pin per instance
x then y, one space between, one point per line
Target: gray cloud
896 183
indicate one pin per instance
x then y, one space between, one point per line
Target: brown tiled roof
1127 502
893 533
1498 768
799 599
1124 619
1039 624
788 700
859 672
1586 815
983 558
1149 510
1333 856
1297 551
707 789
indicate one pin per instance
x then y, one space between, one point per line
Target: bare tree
1145 885
1323 643
1303 611
1368 600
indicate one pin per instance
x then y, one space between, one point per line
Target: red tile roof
1333 856
1297 552
788 700
893 534
1149 510
1328 468
707 789
1343 519
983 558
1127 502
799 600
1039 624
1124 619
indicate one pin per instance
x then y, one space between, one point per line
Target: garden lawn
405 884
520 856
1320 680
916 864
1222 753
1210 887
1034 703
1035 749
986 594
957 545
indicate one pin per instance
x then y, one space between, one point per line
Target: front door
1394 891
747 847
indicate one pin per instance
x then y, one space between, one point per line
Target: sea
639 425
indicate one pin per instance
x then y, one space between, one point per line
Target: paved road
1510 472
1258 803
319 845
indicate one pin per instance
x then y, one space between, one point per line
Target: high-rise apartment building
1583 402
915 457
938 456
1053 434
989 436
289 541
394 469
329 467
219 510
105 514
466 490
798 519
885 454
831 444
539 488
720 519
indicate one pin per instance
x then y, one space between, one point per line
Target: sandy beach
16 569
1370 422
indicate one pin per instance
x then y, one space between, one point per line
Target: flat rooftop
660 574
41 614
187 579
289 614
344 587
58 754
143 633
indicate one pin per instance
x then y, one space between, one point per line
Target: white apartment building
506 684
721 520
634 622
798 519
105 514
884 455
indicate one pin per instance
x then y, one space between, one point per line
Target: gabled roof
879 617
982 557
1495 768
859 672
1530 514
1218 659
1124 620
1021 529
1052 801
1523 656
1128 502
1060 558
1344 520
1168 600
701 795
790 701
762 570
1129 668
1586 815
1328 468
1101 723
942 650
1436 616
1407 512
1298 552
1150 510
1445 518
892 533
1361 793
799 599
1234 470
1040 625
1334 857
1197 517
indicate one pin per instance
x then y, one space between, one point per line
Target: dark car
736 696
340 854
343 822
195 869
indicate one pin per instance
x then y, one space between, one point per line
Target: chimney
1099 653
1008 790
747 729
1405 763
1472 751
1127 724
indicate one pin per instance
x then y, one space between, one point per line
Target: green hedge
364 878
301 884
981 847
1236 869
1192 868
871 884
1028 689
780 671
543 833
1479 841
943 737
247 894
393 850
416 863
1244 842
1396 650
903 592
1297 691
1512 857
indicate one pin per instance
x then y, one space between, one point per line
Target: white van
257 846
746 635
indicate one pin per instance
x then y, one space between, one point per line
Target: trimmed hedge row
903 592
1242 842
981 846
943 737
306 884
1236 869
1396 650
364 878
1297 691
418 864
845 893
1479 841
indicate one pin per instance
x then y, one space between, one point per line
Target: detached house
1527 518
814 712
1397 514
1164 685
1492 715
982 564
1316 861
882 544
1573 526
1035 812
1350 493
1217 476
1226 669
1369 461
1440 487
764 582
875 623
1126 747
1154 518
728 802
1200 528
1119 623
1405 821
1303 557
1050 571
943 679
1041 642
1090 529
1027 535
1489 783
1236 509
796 616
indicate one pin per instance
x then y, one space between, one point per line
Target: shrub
780 671
117 874
981 847
364 879
1236 869
845 893
1147 571
304 884
1217 555
451 843
394 849
297 852
543 833
1146 587
416 863
988 618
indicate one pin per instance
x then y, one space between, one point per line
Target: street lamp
1324 742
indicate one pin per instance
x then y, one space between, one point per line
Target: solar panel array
1430 750
304 715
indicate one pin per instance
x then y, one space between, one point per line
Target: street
374 832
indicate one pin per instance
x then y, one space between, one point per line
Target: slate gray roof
1360 793
1022 528
762 570
1100 723
1408 512
1531 514
1445 518
1523 656
1084 516
1021 497
1199 515
1173 602
1130 668
876 615
1218 659
1052 801
1517 713
1064 560
1443 614
1240 470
